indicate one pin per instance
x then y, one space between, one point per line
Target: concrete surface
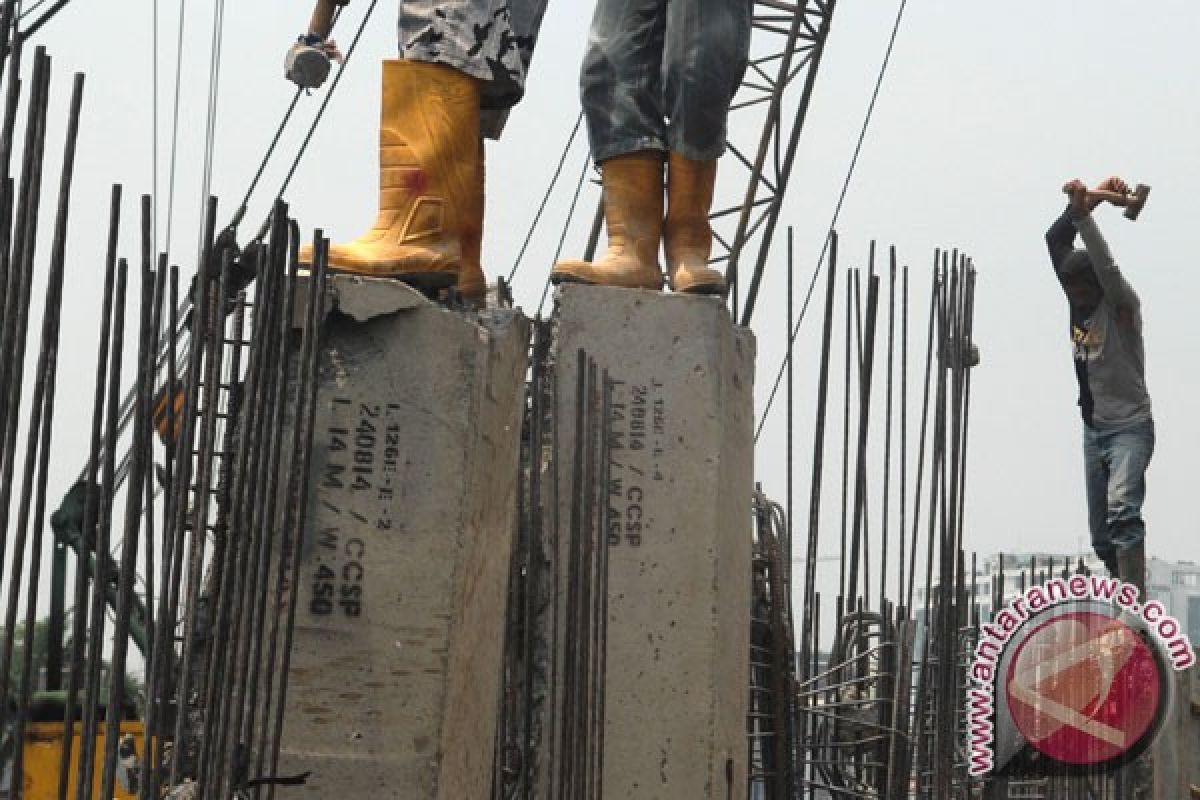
397 660
1177 749
680 539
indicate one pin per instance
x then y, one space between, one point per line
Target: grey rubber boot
1131 568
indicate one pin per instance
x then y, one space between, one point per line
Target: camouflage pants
491 40
660 75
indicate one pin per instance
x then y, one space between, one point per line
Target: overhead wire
37 24
262 166
154 119
546 197
23 13
175 127
587 160
210 132
283 123
862 135
325 101
18 13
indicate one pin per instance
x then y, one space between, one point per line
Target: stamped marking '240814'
636 430
357 493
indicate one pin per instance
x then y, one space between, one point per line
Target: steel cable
154 118
23 13
210 131
566 227
325 102
175 128
862 135
546 197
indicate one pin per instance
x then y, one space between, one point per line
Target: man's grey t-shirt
1108 348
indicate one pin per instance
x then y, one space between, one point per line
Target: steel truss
789 39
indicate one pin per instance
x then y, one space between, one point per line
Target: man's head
1079 280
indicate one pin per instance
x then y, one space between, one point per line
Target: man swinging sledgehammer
1106 332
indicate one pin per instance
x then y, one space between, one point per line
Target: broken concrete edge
360 297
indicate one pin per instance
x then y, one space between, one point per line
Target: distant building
1174 584
1177 586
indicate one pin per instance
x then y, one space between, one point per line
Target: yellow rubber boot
428 165
633 213
688 235
472 285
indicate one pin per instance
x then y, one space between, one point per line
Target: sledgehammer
1133 202
307 63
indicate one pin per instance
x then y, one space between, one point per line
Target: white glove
308 61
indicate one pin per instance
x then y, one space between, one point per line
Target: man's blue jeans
660 75
1115 468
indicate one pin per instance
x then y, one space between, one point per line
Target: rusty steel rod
101 579
130 539
13 337
289 256
887 435
91 496
858 531
40 428
298 479
204 352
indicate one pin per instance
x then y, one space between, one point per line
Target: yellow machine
43 753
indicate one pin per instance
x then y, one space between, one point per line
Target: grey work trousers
491 40
660 75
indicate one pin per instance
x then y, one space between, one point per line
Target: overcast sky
984 113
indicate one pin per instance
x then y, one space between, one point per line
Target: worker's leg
707 45
428 166
1095 472
707 42
620 82
490 40
633 213
1129 454
621 92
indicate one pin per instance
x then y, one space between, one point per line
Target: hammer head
1137 201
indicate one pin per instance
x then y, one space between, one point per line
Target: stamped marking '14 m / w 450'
356 498
637 441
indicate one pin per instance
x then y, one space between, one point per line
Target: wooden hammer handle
1116 198
322 17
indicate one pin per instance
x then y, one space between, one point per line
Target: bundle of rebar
552 723
871 707
195 483
877 713
581 710
528 679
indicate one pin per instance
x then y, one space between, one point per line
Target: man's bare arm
322 17
1104 264
1060 238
